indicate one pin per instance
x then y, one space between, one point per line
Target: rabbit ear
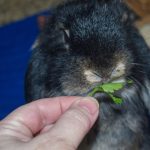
129 17
42 21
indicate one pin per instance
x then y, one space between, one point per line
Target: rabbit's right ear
129 16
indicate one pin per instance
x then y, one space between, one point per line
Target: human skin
49 124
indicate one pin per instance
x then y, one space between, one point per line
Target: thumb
73 125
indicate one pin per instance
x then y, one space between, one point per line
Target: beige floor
12 10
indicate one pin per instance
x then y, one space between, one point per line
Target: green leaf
129 81
116 99
96 90
110 88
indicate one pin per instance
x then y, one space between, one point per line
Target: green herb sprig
110 88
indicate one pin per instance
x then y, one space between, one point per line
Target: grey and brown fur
90 42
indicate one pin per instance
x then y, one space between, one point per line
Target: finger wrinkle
14 131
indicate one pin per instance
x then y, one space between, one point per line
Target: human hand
49 124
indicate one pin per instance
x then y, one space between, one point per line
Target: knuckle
80 117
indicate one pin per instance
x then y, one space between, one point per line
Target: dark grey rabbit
90 42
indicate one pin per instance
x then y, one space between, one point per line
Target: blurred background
13 10
19 27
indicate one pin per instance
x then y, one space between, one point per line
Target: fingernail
90 104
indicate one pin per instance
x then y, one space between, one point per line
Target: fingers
64 122
28 120
73 125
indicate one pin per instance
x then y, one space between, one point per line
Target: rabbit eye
92 77
118 71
